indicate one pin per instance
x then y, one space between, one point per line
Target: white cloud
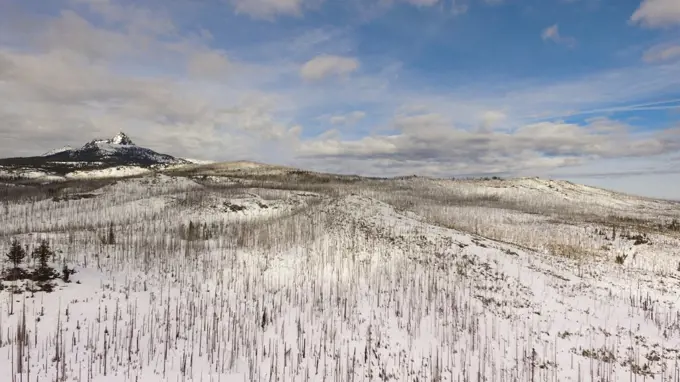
657 13
131 17
212 65
268 9
371 9
73 81
324 66
347 119
422 3
659 53
72 32
552 33
491 118
430 141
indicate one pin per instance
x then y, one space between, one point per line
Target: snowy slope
111 172
541 194
119 149
118 155
276 284
241 168
57 151
198 161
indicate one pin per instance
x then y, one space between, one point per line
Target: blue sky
587 90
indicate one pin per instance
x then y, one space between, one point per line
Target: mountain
56 151
119 150
97 154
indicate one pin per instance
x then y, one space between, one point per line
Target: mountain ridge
96 154
119 156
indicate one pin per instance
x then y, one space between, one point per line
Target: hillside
246 277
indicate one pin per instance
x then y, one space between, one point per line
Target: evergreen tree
16 254
43 253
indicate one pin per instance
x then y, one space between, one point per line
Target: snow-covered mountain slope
199 161
42 176
94 157
533 193
110 172
119 150
237 168
230 282
57 151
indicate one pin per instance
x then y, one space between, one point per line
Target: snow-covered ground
32 174
45 176
239 168
217 279
198 161
111 172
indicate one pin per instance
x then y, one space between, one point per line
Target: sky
583 90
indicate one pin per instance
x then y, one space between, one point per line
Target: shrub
66 273
46 287
674 225
620 259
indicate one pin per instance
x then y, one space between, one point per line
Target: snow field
346 288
